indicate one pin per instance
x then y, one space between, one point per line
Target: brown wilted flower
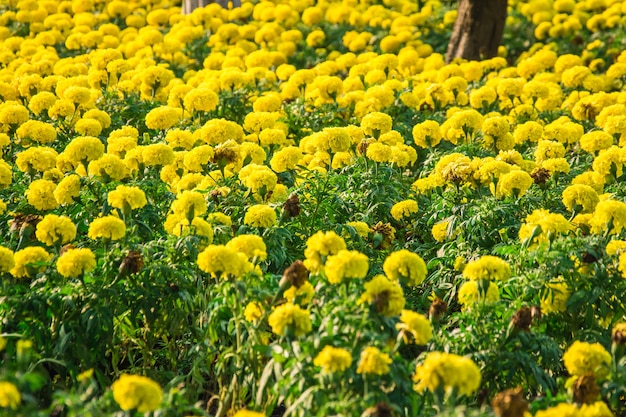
540 175
361 148
535 313
65 248
437 309
522 319
380 301
132 263
296 274
291 207
379 410
585 389
25 224
618 336
387 232
224 155
510 403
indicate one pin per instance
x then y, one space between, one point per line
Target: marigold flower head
55 230
28 261
224 262
580 198
374 124
301 295
201 99
38 158
405 266
260 215
541 226
427 134
384 296
609 217
373 362
84 149
40 194
447 371
107 227
252 246
7 261
248 413
515 182
587 358
555 299
75 262
404 209
560 410
333 360
285 159
253 311
290 319
320 246
346 265
36 131
417 325
135 392
163 117
487 267
259 178
9 395
107 168
470 293
440 231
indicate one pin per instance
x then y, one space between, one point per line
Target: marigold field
297 208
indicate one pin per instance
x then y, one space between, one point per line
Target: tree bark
190 5
478 29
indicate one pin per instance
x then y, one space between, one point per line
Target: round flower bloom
469 293
107 227
12 113
55 230
515 182
417 325
286 159
290 319
595 141
375 124
259 178
248 413
6 174
253 311
346 265
67 190
84 149
404 265
252 246
555 301
222 261
27 260
178 225
201 99
403 209
580 198
40 194
427 134
447 371
541 226
6 259
127 198
561 410
157 154
487 267
609 216
597 409
39 158
9 396
373 362
162 118
379 152
189 203
135 392
108 167
75 262
440 231
300 295
88 127
583 358
319 247
333 360
36 131
384 296
260 215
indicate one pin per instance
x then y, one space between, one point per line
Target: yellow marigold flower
379 152
560 410
67 190
41 101
163 117
361 228
252 246
259 178
555 300
290 319
384 296
615 247
580 198
440 231
84 149
6 259
107 227
609 216
609 162
39 158
127 198
547 149
541 226
190 204
135 392
333 360
417 325
28 261
253 311
487 267
447 371
260 215
427 134
75 262
36 131
515 182
108 168
403 209
373 362
201 99
482 97
6 174
77 94
320 246
12 113
556 165
9 396
272 136
55 230
224 262
300 295
346 265
219 218
527 132
157 154
285 159
88 127
406 266
375 124
583 358
597 409
40 194
595 141
470 294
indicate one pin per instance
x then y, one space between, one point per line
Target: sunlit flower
417 325
373 362
135 392
29 261
404 209
333 360
583 358
346 265
260 215
448 372
405 266
384 296
290 319
75 262
55 230
107 227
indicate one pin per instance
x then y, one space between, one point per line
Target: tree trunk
190 5
478 29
